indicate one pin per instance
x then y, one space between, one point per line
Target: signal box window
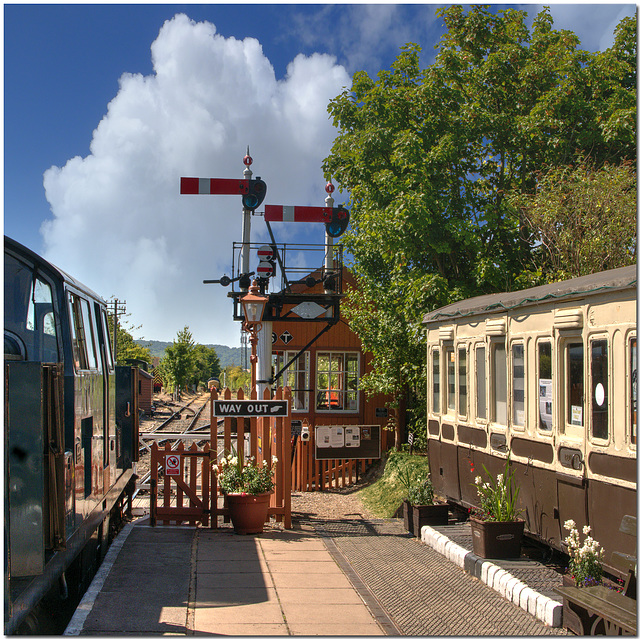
545 387
517 375
599 389
499 393
337 378
481 383
462 382
435 367
296 377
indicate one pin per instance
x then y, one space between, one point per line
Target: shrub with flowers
498 496
236 475
584 561
421 492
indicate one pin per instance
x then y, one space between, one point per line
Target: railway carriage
70 437
549 374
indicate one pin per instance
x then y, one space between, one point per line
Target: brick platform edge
511 588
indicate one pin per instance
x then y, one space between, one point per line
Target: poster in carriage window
546 404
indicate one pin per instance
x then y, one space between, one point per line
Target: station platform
323 578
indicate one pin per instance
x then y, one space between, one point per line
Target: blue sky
106 106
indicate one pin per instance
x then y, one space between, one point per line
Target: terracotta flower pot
496 539
429 515
248 512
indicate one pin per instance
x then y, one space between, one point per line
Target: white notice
337 437
323 436
352 436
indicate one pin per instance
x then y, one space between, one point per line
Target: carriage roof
619 278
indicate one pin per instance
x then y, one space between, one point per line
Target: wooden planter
248 512
431 515
408 516
496 539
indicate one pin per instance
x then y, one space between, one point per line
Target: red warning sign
172 465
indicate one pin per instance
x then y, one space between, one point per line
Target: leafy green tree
126 348
430 156
236 377
583 220
180 359
207 364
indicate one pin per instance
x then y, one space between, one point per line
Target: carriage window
517 371
40 312
575 383
462 382
634 389
481 383
545 387
499 392
451 379
436 380
599 389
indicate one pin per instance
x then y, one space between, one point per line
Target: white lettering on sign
250 408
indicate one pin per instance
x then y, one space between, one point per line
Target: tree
583 220
126 348
179 361
207 364
430 156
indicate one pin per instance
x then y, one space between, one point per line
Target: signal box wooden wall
291 336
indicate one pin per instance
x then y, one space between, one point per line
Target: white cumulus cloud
119 222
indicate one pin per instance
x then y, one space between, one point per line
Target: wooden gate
192 473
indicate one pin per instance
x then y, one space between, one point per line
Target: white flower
274 459
478 480
586 530
569 524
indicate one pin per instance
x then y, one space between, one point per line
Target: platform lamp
253 306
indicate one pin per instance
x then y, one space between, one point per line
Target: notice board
347 442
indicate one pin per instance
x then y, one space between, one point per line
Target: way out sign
251 408
172 465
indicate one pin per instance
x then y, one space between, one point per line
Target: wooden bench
598 609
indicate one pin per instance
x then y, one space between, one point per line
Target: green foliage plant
421 493
498 496
244 476
584 560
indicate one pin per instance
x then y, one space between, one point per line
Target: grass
385 496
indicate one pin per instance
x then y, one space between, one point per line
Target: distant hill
228 356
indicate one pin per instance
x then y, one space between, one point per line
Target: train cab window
106 339
81 336
451 379
462 382
633 390
574 379
517 391
545 387
499 388
599 389
481 383
435 389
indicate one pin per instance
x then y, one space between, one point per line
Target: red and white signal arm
280 213
265 269
265 252
172 465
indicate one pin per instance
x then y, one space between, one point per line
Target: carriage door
571 483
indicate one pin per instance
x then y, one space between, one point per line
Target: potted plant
247 488
496 528
426 512
585 567
407 479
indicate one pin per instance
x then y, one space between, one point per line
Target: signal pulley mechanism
225 280
336 221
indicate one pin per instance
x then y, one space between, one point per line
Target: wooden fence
309 473
267 437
